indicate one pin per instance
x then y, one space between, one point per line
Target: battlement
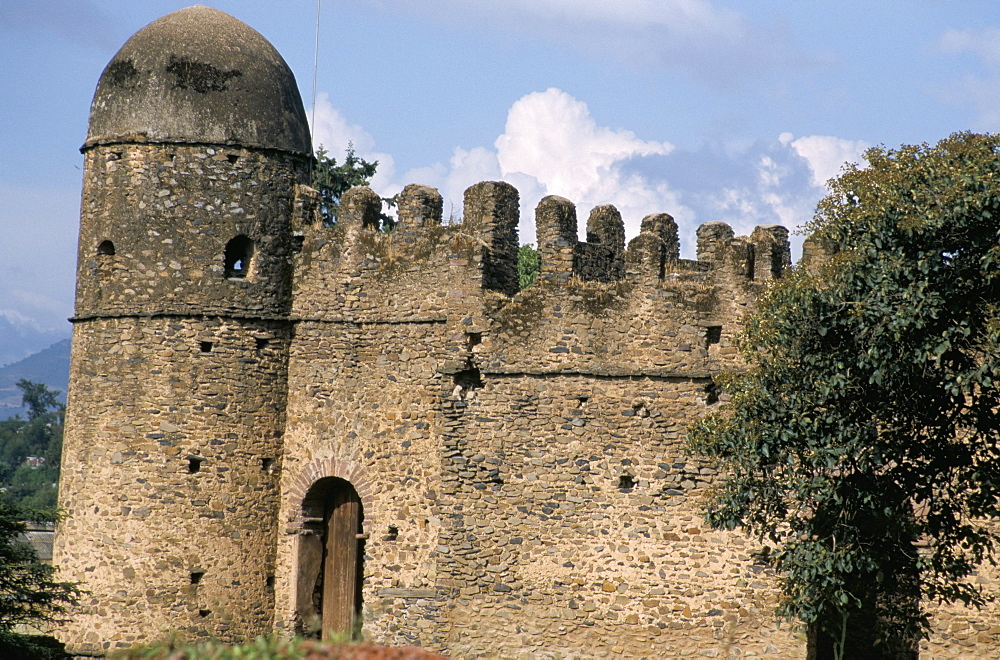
482 249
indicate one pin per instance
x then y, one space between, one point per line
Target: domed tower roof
199 75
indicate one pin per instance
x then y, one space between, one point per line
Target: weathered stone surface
519 456
199 75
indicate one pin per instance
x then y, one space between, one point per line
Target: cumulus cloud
981 92
825 154
551 145
552 136
716 45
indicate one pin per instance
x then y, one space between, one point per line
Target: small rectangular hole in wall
713 335
196 576
475 339
204 613
269 582
232 158
194 464
206 346
626 483
711 394
261 343
393 533
267 465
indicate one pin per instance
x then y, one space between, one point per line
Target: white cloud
332 131
716 45
984 42
826 155
981 92
551 145
15 317
677 16
552 136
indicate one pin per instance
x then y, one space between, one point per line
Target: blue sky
705 109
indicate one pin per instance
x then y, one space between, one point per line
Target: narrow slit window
711 394
239 253
713 335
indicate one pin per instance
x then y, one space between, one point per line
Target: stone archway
331 552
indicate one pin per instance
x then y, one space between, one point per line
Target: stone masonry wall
176 411
170 483
519 458
519 455
157 220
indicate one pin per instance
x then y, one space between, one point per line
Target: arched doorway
331 556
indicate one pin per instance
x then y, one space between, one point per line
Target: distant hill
50 366
21 337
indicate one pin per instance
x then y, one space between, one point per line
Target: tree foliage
529 264
863 441
332 180
29 592
30 450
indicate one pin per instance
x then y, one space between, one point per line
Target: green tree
38 398
332 180
29 592
863 441
31 450
529 264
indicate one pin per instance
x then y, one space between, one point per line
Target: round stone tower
196 141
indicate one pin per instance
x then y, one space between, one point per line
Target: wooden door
341 561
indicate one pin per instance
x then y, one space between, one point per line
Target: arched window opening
331 552
239 253
106 249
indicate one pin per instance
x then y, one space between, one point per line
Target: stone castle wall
177 386
518 455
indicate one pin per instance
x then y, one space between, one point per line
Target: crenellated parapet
654 247
762 257
425 268
491 211
816 252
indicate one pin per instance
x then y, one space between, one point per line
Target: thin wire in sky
315 69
